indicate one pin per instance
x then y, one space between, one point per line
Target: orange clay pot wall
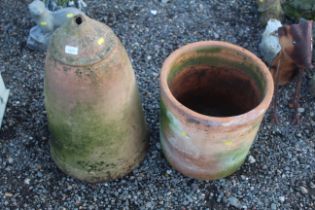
213 98
92 102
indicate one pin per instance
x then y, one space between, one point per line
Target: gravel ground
279 173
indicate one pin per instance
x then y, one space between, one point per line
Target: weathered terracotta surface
92 102
213 99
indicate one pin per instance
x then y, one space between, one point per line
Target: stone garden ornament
270 46
46 23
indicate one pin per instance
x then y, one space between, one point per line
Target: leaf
296 9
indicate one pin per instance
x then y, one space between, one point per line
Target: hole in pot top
78 20
216 90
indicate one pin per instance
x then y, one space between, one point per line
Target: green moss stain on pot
297 9
170 122
232 160
209 50
92 133
84 140
163 118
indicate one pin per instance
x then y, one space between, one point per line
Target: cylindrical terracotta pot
92 102
213 98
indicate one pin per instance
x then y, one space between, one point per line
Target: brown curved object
296 41
296 53
295 56
92 102
287 69
213 98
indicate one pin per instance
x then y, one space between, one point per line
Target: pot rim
194 116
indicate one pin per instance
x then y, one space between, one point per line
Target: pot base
101 175
188 167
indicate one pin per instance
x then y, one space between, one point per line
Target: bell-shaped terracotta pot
213 98
92 102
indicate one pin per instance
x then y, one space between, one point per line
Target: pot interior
221 84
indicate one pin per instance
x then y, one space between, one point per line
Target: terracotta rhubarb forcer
213 99
92 102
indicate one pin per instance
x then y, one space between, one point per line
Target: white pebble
27 181
153 12
155 74
301 110
8 194
282 199
303 190
251 159
10 160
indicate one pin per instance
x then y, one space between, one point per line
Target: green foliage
297 9
269 9
62 2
